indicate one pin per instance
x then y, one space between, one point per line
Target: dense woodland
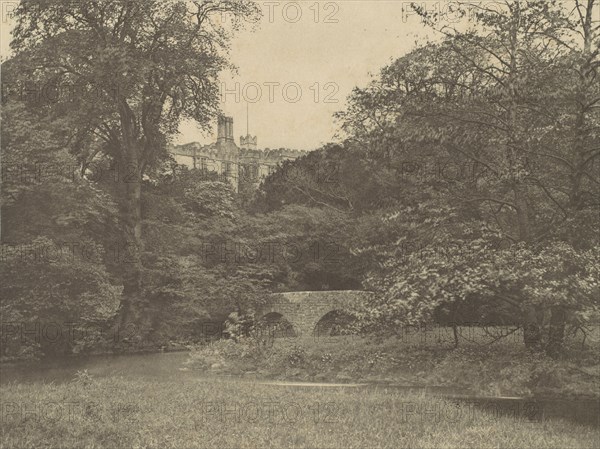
465 185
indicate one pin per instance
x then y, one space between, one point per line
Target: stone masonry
305 309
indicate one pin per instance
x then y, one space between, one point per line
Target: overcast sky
299 65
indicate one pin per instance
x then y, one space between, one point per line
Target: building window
227 168
250 172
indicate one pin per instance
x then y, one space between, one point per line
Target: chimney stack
225 129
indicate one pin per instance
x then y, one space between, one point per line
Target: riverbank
504 369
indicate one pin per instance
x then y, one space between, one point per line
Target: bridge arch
304 310
333 323
277 325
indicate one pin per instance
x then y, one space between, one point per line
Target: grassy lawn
118 412
212 398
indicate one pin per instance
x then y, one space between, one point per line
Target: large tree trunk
556 335
517 162
129 255
532 329
130 213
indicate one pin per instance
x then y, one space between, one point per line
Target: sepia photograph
311 224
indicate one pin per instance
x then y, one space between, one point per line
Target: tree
54 282
137 68
525 56
327 178
569 150
486 97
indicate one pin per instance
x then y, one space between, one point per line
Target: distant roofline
214 145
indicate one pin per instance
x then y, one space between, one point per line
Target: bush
245 354
296 357
487 370
44 300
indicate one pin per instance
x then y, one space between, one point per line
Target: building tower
225 129
226 159
248 142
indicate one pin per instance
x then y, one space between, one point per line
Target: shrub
296 357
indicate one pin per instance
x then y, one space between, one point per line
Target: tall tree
499 98
133 69
517 57
570 152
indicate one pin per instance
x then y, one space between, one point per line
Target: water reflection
61 370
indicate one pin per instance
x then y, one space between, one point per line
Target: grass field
213 397
119 412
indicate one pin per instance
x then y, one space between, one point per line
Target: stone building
245 163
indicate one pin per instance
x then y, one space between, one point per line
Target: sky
299 64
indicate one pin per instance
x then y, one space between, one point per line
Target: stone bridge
304 310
